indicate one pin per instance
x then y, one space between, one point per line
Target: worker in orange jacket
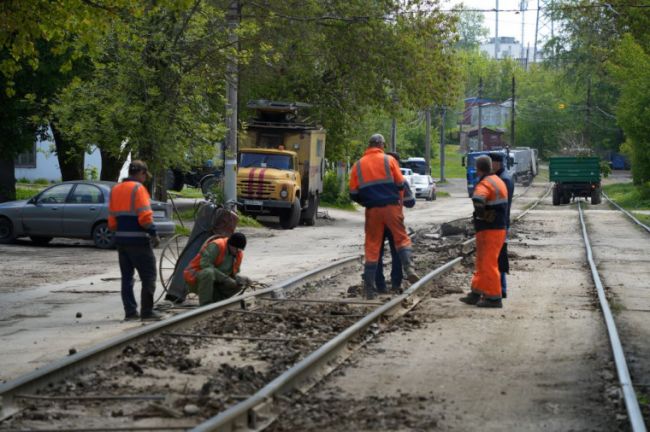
213 272
131 219
490 201
377 183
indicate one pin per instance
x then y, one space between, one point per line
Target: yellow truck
281 163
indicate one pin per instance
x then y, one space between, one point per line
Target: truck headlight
284 193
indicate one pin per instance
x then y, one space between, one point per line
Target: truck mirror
462 161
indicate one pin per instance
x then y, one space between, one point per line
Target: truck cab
281 164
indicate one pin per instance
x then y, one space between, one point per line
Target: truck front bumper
263 206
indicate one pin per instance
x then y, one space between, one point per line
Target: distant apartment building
509 47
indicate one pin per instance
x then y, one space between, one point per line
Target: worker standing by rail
131 219
212 273
504 264
377 183
490 201
396 274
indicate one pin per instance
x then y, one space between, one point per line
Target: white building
508 47
492 114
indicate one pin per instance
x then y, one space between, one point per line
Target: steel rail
631 402
72 364
628 214
241 414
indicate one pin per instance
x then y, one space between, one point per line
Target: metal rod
629 396
114 429
247 312
253 338
370 303
117 397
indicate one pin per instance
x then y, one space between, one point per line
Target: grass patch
185 214
339 205
27 190
179 229
453 167
247 221
643 218
187 192
442 194
628 196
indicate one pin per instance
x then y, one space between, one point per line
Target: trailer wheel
566 198
596 196
290 218
556 196
309 215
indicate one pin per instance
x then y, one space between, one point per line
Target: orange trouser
378 218
487 279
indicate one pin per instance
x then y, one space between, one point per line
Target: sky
509 22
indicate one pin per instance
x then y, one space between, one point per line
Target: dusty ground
541 363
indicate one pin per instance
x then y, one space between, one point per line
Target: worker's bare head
377 140
483 165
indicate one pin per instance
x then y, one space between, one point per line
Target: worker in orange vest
377 183
490 201
212 273
131 220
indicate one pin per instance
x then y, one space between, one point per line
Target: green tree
471 28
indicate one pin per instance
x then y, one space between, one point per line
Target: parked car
76 209
424 187
408 175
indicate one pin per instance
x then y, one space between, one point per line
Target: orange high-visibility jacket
375 180
129 213
190 272
493 193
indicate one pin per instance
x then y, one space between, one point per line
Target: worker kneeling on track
490 201
377 183
212 273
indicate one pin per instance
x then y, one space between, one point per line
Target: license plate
253 202
159 214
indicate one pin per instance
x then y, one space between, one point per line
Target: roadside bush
41 181
332 195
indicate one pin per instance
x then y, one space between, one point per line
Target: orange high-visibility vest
129 213
189 274
376 180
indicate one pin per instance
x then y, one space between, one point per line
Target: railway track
176 373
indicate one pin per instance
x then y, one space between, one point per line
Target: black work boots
475 299
471 299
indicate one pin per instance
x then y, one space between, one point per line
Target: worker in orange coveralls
377 183
490 201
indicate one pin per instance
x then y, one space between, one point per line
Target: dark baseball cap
137 166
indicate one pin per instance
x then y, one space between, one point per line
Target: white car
424 187
408 175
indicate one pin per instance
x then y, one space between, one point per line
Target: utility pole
496 31
393 135
480 114
443 117
536 34
232 79
512 115
523 6
588 116
427 138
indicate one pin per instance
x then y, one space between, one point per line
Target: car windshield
264 160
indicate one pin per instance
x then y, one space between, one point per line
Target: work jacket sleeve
480 198
143 210
354 184
409 199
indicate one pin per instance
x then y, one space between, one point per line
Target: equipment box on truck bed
575 176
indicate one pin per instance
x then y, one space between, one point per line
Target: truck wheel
596 196
210 184
309 215
291 217
556 196
566 198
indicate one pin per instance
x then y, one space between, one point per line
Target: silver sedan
77 209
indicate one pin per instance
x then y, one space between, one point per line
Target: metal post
512 115
523 5
496 31
427 138
480 114
393 135
536 33
230 155
443 117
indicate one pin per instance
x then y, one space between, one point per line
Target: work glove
242 281
155 240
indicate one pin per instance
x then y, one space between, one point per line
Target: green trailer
575 176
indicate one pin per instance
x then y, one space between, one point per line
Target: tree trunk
71 157
111 166
7 179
